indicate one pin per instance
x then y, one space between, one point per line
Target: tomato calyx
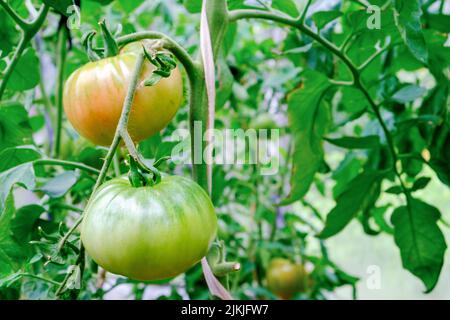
164 63
141 175
110 49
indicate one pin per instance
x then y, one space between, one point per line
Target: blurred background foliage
263 71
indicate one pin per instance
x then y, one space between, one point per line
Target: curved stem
168 43
122 125
27 34
68 164
30 275
357 81
61 60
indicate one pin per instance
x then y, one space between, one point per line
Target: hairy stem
68 164
61 61
122 125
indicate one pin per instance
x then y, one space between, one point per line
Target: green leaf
193 6
14 126
130 5
407 17
22 174
366 142
59 5
420 183
360 194
8 35
421 242
24 220
394 190
12 254
440 22
309 120
442 170
26 74
408 94
286 6
322 18
59 185
12 157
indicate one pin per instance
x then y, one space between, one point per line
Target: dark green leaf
420 183
367 142
421 242
22 174
12 157
357 196
60 5
394 190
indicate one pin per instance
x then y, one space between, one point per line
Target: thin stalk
122 125
29 275
61 61
68 164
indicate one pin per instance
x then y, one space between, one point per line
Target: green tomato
151 232
285 278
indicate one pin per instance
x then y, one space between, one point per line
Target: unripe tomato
151 232
285 278
94 96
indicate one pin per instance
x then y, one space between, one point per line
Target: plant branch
357 81
122 125
168 43
61 60
64 163
27 34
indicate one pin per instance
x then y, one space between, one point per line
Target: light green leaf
59 185
22 174
309 119
322 18
286 6
407 18
408 94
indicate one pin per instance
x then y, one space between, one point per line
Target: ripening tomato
151 232
285 278
94 96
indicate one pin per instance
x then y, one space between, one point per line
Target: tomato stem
61 61
122 125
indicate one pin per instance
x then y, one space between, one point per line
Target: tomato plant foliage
357 91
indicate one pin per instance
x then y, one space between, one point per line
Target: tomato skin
149 233
285 278
94 95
